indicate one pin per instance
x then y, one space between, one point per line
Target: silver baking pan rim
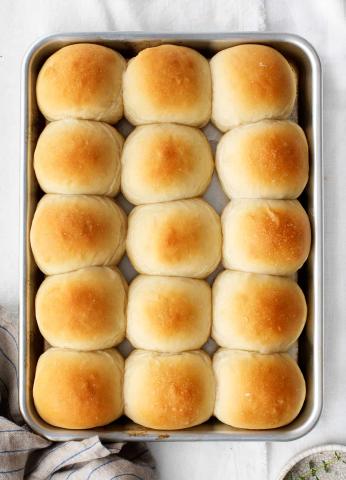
212 430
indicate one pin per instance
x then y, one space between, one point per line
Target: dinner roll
251 83
255 391
75 231
82 81
181 238
168 314
265 236
165 162
78 156
79 389
168 391
168 83
84 310
263 313
268 159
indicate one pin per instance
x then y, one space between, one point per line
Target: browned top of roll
266 236
75 231
257 391
81 80
79 389
170 69
168 391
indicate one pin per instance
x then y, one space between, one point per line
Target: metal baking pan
303 56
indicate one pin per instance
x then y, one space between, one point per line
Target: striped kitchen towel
24 454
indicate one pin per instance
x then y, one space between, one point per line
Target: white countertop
324 24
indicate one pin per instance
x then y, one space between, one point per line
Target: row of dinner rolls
180 238
164 162
167 391
90 309
168 83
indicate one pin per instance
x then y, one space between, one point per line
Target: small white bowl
307 453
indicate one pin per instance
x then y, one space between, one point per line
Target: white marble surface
321 22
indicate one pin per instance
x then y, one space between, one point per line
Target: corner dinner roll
75 231
82 81
78 156
84 310
251 83
168 391
168 314
168 83
255 391
181 238
262 313
268 159
79 389
265 236
165 162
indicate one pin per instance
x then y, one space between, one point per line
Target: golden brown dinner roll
168 314
82 81
78 156
268 159
262 313
251 83
79 389
256 391
84 310
75 231
168 83
168 391
181 238
165 162
265 236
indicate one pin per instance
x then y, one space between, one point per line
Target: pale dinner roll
168 391
168 83
83 80
165 162
263 313
75 231
79 389
84 310
265 236
181 238
78 156
268 159
168 314
251 83
256 391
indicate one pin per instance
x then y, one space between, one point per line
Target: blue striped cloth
24 454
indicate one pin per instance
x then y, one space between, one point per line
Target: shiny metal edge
282 434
